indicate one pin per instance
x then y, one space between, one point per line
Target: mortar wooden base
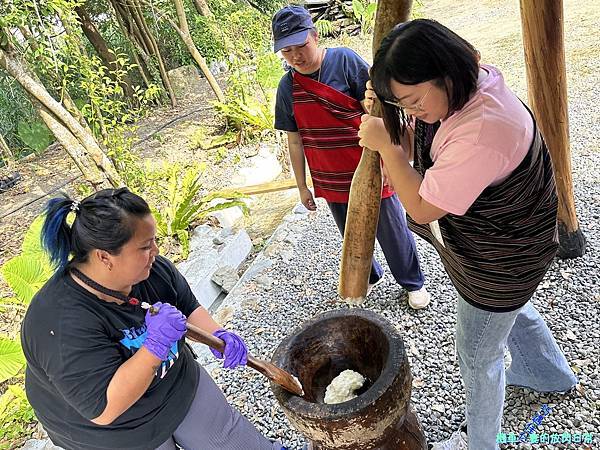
408 436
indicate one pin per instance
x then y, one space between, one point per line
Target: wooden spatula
272 372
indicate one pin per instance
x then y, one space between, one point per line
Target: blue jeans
537 363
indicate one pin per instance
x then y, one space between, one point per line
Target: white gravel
305 285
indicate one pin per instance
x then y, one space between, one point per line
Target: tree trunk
542 23
39 93
108 58
203 8
365 192
137 51
5 150
58 83
184 32
75 150
141 53
135 11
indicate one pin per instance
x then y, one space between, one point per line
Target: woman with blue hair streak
102 371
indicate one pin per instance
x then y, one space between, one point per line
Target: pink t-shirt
478 146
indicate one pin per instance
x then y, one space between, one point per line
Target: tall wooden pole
365 192
542 22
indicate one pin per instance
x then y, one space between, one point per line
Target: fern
183 207
324 27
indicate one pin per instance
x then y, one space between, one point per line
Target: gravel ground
292 291
301 281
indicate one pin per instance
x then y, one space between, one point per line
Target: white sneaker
370 286
458 441
419 299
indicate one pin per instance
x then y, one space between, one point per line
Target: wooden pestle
272 372
365 192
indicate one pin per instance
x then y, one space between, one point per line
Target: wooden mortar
363 341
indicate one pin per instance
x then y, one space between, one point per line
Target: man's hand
307 199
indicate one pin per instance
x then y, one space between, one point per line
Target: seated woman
482 192
102 371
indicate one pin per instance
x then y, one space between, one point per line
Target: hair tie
75 206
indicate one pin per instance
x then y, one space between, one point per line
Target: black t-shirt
74 343
341 69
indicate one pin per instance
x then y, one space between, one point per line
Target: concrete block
262 168
206 258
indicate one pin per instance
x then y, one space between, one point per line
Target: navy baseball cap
290 27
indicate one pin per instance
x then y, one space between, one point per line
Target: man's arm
298 161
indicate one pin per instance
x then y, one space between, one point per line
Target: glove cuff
158 349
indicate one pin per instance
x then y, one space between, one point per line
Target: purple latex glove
236 352
164 328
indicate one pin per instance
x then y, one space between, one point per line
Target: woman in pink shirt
481 191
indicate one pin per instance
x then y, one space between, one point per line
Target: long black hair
104 220
423 50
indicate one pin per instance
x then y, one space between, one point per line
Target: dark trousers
212 424
396 241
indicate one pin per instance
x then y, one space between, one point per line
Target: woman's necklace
321 64
110 292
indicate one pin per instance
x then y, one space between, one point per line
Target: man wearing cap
319 104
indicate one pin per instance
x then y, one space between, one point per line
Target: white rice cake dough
342 388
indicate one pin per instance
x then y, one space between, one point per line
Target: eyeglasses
415 108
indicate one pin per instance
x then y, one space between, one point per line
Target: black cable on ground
170 122
40 197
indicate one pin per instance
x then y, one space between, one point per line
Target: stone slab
206 258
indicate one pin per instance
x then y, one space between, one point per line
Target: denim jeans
537 363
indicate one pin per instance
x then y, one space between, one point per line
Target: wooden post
365 192
542 22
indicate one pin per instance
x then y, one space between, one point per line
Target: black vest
497 253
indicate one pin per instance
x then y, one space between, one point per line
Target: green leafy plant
269 71
248 115
364 14
183 206
15 108
12 359
35 135
324 27
249 105
25 275
16 415
27 272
